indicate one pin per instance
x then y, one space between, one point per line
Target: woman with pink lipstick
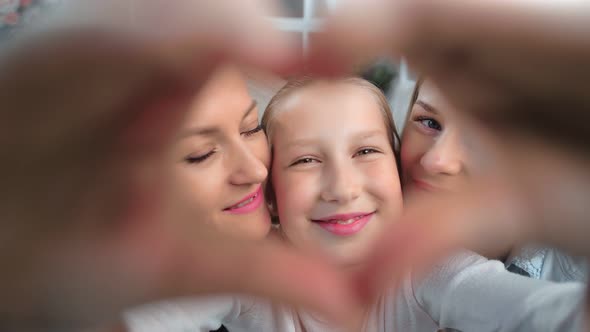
334 186
437 157
219 160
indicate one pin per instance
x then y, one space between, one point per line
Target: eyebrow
356 137
202 131
299 142
426 107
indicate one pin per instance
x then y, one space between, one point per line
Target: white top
466 292
548 264
561 267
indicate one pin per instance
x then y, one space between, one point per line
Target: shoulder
461 265
458 282
402 309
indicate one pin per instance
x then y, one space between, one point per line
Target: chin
344 258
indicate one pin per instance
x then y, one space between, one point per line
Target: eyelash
306 160
361 152
252 131
366 151
202 158
421 120
199 159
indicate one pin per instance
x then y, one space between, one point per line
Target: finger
86 98
214 264
489 38
188 30
280 273
484 219
555 182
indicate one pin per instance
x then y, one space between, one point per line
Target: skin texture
433 151
332 156
475 59
441 153
216 169
89 178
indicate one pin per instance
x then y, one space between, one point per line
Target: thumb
483 219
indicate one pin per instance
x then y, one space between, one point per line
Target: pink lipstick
248 203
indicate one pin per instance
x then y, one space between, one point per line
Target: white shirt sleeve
201 314
470 293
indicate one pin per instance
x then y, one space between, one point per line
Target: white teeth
346 221
244 203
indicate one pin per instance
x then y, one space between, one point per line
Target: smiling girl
334 172
437 156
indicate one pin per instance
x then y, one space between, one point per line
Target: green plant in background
382 74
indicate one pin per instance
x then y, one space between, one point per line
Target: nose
246 167
445 157
340 183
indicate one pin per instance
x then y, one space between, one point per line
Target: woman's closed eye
253 131
199 158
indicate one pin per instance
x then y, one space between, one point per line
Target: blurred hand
507 62
88 106
529 193
523 70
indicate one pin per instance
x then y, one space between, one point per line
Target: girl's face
334 171
220 161
441 151
433 151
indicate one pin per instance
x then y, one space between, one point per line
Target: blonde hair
414 98
294 85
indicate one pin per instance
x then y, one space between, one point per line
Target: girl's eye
365 151
199 159
252 131
429 123
306 160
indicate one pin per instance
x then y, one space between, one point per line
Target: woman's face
433 151
220 161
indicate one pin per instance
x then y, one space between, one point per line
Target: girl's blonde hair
294 85
414 98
